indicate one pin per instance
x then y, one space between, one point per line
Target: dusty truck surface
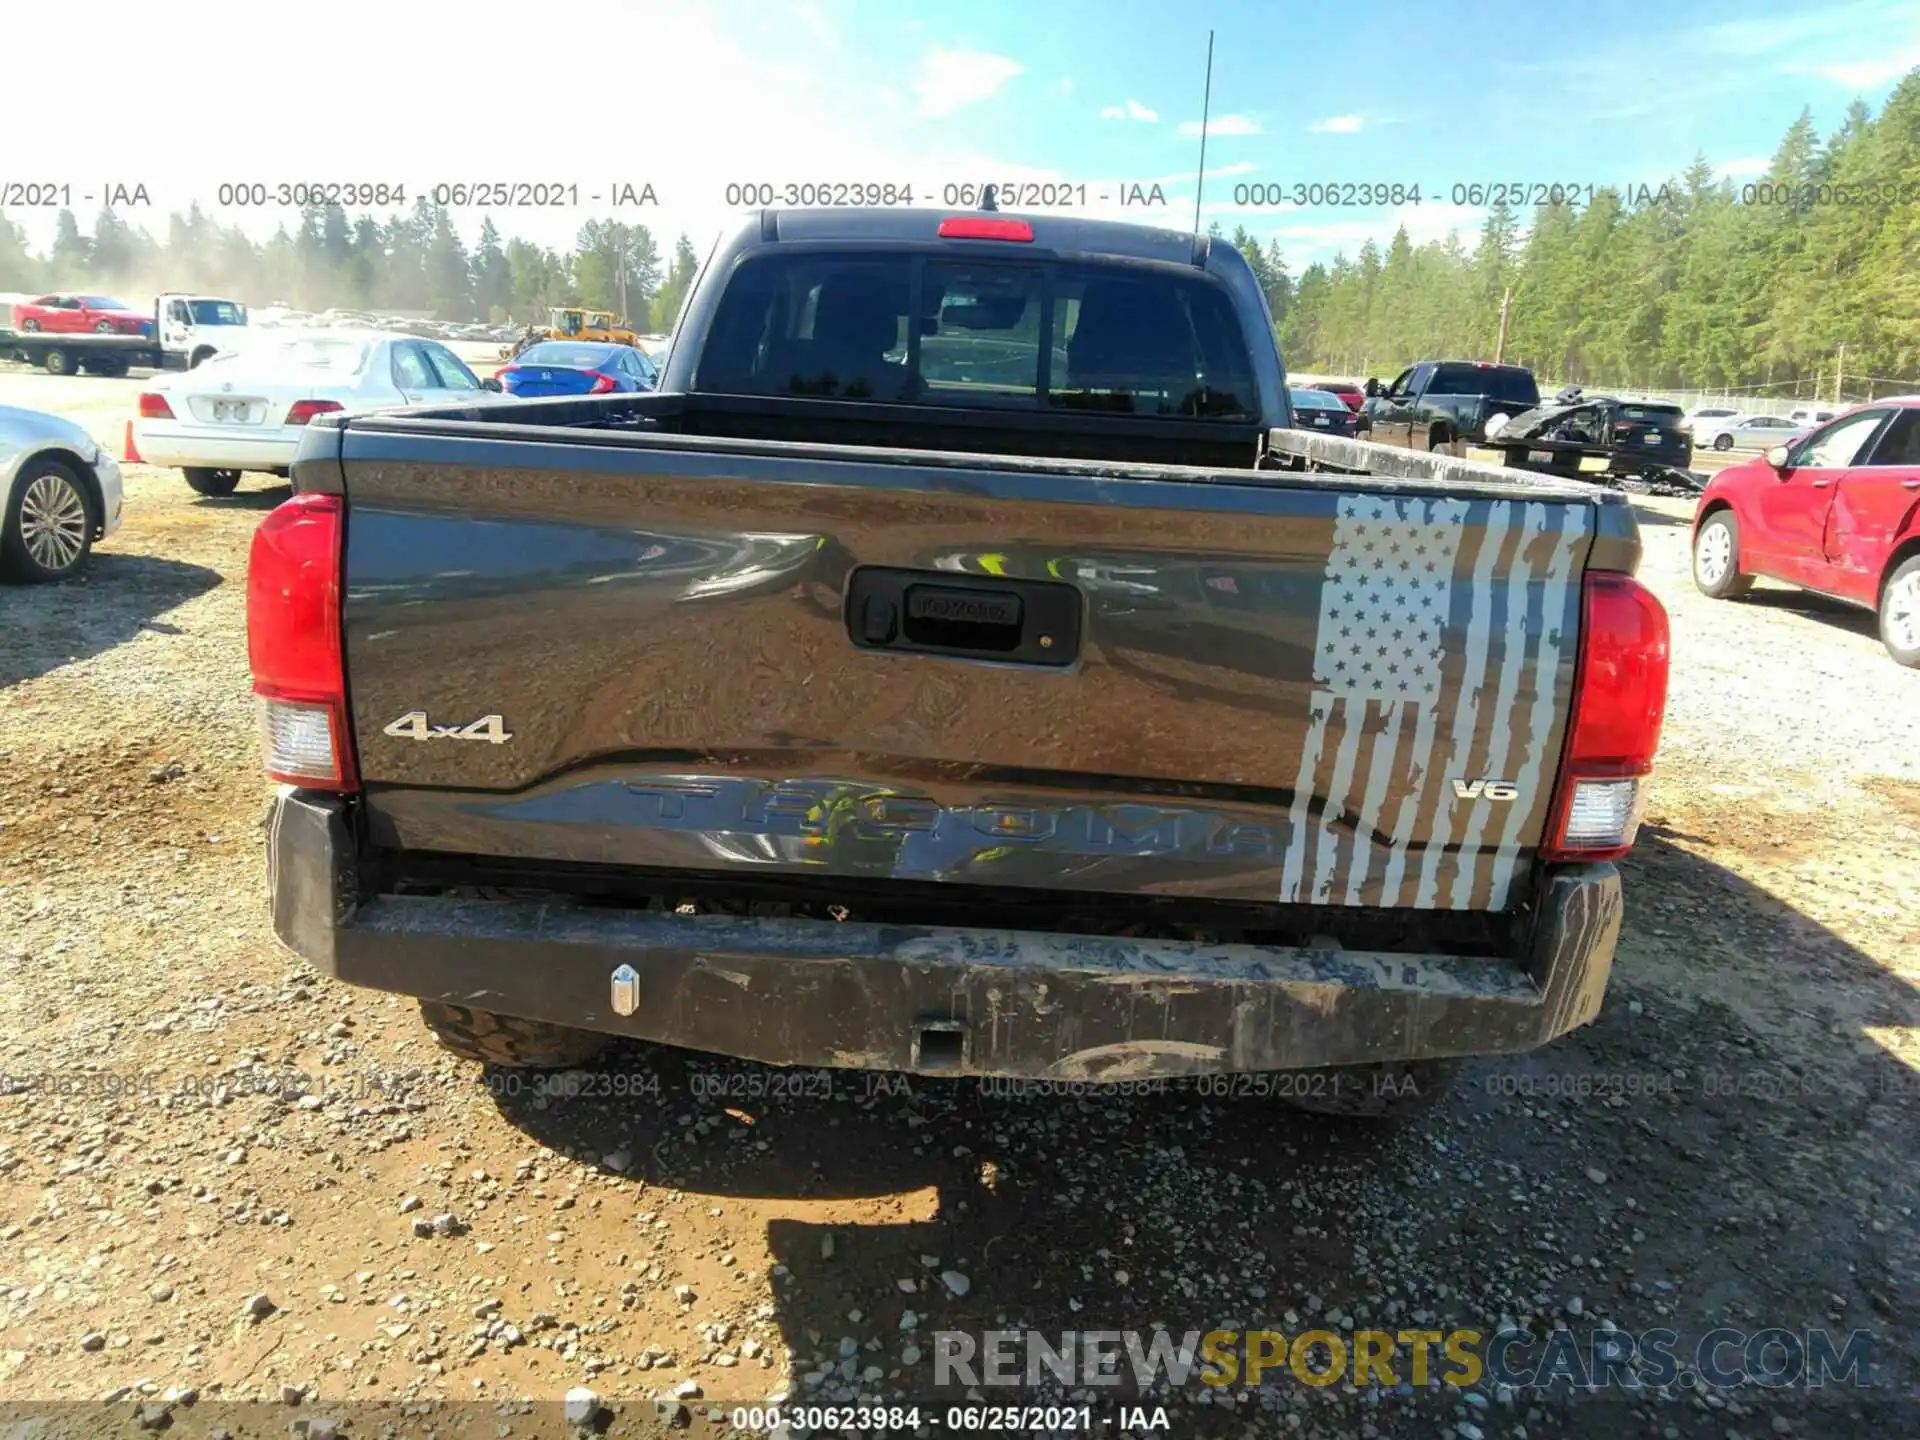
958 666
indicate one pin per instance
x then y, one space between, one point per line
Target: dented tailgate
1277 687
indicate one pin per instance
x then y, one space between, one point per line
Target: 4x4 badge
414 725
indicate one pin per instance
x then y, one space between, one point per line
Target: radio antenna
1206 105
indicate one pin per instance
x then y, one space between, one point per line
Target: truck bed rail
1338 454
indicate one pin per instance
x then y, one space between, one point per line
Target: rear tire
1716 558
1900 613
1390 1091
47 531
58 362
105 327
1723 442
212 482
509 1040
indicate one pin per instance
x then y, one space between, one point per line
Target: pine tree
19 269
71 253
492 276
673 290
449 283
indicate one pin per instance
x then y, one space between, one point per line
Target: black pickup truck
958 666
1442 404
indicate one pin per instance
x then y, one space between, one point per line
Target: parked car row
282 317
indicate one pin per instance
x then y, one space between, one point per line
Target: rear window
1128 340
1661 414
101 302
1316 400
344 356
1496 382
567 357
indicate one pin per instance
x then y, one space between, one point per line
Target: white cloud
778 115
1214 172
816 22
1223 125
1066 84
951 80
1338 125
1746 165
1132 110
1873 73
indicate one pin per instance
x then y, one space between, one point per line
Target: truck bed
1265 683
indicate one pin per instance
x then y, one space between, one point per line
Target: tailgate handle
969 619
1005 619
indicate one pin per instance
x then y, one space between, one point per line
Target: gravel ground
234 1195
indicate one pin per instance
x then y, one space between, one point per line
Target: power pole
1839 365
1506 307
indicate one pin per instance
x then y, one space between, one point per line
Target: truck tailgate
1249 686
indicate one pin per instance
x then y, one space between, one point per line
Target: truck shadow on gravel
1664 1167
115 598
246 499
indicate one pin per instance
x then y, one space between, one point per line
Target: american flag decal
1442 648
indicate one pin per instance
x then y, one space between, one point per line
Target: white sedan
59 492
248 410
1748 432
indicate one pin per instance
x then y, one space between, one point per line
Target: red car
81 315
1837 511
1350 393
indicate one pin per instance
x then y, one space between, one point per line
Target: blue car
577 367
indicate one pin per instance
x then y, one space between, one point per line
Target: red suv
80 315
1837 511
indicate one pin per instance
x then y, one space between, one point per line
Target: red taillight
293 643
1619 699
978 227
155 407
601 384
304 410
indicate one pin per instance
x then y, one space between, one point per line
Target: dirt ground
190 1119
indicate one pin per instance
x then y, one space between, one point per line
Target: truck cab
1438 403
196 326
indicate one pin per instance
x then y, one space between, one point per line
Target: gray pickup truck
958 666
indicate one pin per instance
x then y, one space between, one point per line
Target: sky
691 96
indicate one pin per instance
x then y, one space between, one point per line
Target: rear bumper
1021 1003
106 472
181 447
